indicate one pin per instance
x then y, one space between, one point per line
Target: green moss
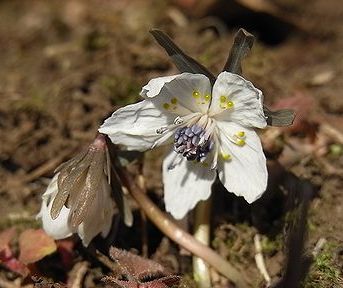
35 100
336 150
95 40
271 246
325 272
121 90
21 223
186 282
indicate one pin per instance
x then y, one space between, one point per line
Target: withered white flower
78 199
211 129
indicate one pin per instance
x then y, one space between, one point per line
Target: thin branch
79 271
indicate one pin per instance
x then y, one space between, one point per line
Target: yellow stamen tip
241 134
166 106
229 104
207 98
196 94
226 156
222 99
173 101
240 142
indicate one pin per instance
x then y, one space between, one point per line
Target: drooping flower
78 198
211 130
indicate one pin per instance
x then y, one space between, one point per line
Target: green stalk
201 272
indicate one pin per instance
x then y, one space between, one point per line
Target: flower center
193 142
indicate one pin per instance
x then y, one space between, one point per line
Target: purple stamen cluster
187 142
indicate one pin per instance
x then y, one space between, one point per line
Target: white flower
78 198
211 129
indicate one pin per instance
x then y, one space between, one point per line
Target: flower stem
174 232
201 272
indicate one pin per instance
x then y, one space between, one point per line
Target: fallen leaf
6 237
139 272
305 109
15 265
65 249
7 258
35 245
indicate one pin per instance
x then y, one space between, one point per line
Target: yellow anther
173 101
196 94
222 99
225 156
241 134
229 104
240 142
207 97
166 106
224 104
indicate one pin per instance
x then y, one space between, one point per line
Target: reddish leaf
6 237
65 248
306 119
7 258
304 106
16 266
35 245
140 272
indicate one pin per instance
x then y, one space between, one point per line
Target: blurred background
66 65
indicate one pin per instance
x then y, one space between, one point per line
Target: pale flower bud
78 199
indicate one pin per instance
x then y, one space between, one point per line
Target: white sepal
185 185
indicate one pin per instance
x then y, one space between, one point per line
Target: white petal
155 85
246 173
185 185
184 94
134 126
247 101
58 228
99 217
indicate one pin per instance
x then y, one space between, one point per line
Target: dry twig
259 259
79 271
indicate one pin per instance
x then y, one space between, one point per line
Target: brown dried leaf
137 271
163 282
137 266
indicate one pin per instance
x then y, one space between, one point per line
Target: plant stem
201 272
174 232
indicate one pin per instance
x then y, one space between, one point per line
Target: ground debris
135 271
